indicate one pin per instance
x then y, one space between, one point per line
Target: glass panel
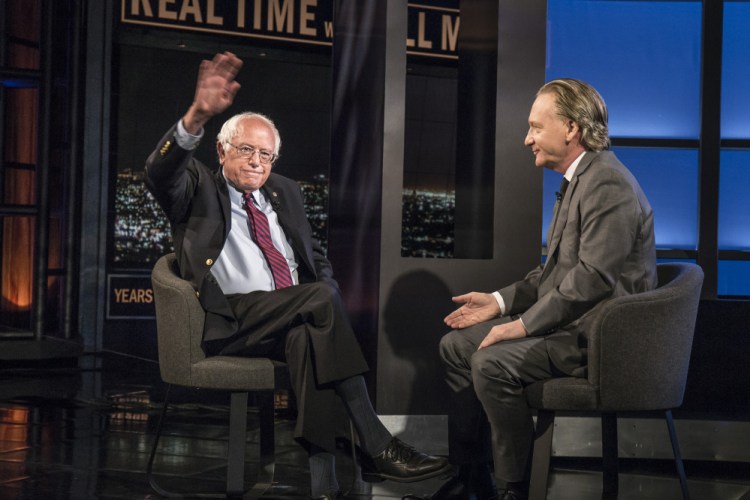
734 277
55 303
20 187
734 202
429 194
55 243
141 231
21 111
23 33
449 143
17 271
735 71
21 56
24 19
669 177
643 57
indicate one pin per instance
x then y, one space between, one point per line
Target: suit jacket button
165 148
209 262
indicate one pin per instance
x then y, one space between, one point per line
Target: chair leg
610 479
267 459
235 452
266 417
545 421
236 444
150 467
677 455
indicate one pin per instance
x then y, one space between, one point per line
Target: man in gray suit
600 245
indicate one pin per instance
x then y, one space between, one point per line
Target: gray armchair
637 361
179 322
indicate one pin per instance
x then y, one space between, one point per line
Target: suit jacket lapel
279 204
276 200
224 203
554 235
559 219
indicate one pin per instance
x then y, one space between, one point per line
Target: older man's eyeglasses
249 151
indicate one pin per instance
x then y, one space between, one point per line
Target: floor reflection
85 432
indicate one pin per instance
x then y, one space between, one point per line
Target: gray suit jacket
600 245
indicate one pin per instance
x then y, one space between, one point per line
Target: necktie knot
563 187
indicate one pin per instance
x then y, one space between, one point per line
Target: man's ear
220 153
572 131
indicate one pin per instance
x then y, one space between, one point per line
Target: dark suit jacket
600 245
196 202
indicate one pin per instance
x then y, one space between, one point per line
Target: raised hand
214 91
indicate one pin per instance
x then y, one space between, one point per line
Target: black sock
322 472
373 435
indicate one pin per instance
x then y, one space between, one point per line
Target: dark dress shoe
401 462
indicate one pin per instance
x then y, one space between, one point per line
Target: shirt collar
573 166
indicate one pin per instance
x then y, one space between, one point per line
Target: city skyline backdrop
141 232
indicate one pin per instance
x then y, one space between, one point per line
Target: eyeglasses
249 151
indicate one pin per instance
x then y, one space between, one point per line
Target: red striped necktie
282 278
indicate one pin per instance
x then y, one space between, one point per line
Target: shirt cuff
524 326
186 140
500 302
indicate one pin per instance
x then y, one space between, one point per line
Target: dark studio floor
85 432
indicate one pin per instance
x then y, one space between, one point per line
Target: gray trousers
488 415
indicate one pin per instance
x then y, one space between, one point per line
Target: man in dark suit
243 240
600 245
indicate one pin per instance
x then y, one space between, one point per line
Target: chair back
179 322
640 346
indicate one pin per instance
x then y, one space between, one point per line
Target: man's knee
488 367
323 293
451 346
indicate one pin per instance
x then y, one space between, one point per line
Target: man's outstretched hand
214 91
476 308
480 307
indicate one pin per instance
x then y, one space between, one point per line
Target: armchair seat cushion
566 393
233 373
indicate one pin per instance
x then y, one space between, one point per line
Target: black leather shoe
401 462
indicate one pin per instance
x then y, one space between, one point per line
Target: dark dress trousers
304 325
